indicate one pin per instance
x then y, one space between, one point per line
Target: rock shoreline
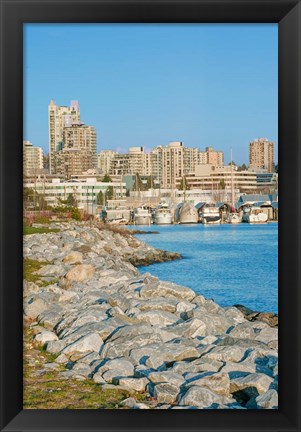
103 320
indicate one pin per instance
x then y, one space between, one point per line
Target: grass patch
40 230
30 267
50 391
53 393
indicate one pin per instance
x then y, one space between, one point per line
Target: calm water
228 263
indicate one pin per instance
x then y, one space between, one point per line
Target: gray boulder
166 377
169 353
89 343
45 336
202 397
116 369
253 384
243 330
167 289
34 306
159 303
166 393
217 382
226 353
157 317
268 400
134 384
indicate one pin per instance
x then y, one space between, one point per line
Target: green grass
49 391
33 230
30 267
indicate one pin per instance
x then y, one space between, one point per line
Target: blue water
228 263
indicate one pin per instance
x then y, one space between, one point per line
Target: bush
41 219
75 214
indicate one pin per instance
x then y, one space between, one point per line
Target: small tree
150 183
138 185
28 197
106 179
110 192
100 198
242 167
75 213
43 205
184 184
222 184
71 201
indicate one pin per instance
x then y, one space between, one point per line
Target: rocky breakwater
107 323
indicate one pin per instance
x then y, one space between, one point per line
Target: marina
253 209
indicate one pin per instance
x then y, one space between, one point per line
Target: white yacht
188 214
163 215
209 214
254 214
142 216
234 218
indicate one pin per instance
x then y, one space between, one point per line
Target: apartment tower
78 153
261 154
59 117
32 158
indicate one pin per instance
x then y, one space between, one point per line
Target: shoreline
103 322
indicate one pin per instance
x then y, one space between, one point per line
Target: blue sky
148 84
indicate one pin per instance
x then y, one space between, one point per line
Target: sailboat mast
121 191
232 183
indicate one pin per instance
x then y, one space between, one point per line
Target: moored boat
118 221
142 216
209 214
163 215
234 218
253 215
188 214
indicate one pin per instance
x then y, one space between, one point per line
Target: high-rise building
32 158
104 161
211 157
261 154
78 153
137 160
164 163
58 118
177 161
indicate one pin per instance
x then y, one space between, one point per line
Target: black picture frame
287 13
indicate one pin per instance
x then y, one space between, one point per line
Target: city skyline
147 85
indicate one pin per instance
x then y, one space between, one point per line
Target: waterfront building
219 179
32 158
267 180
84 191
261 154
59 117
